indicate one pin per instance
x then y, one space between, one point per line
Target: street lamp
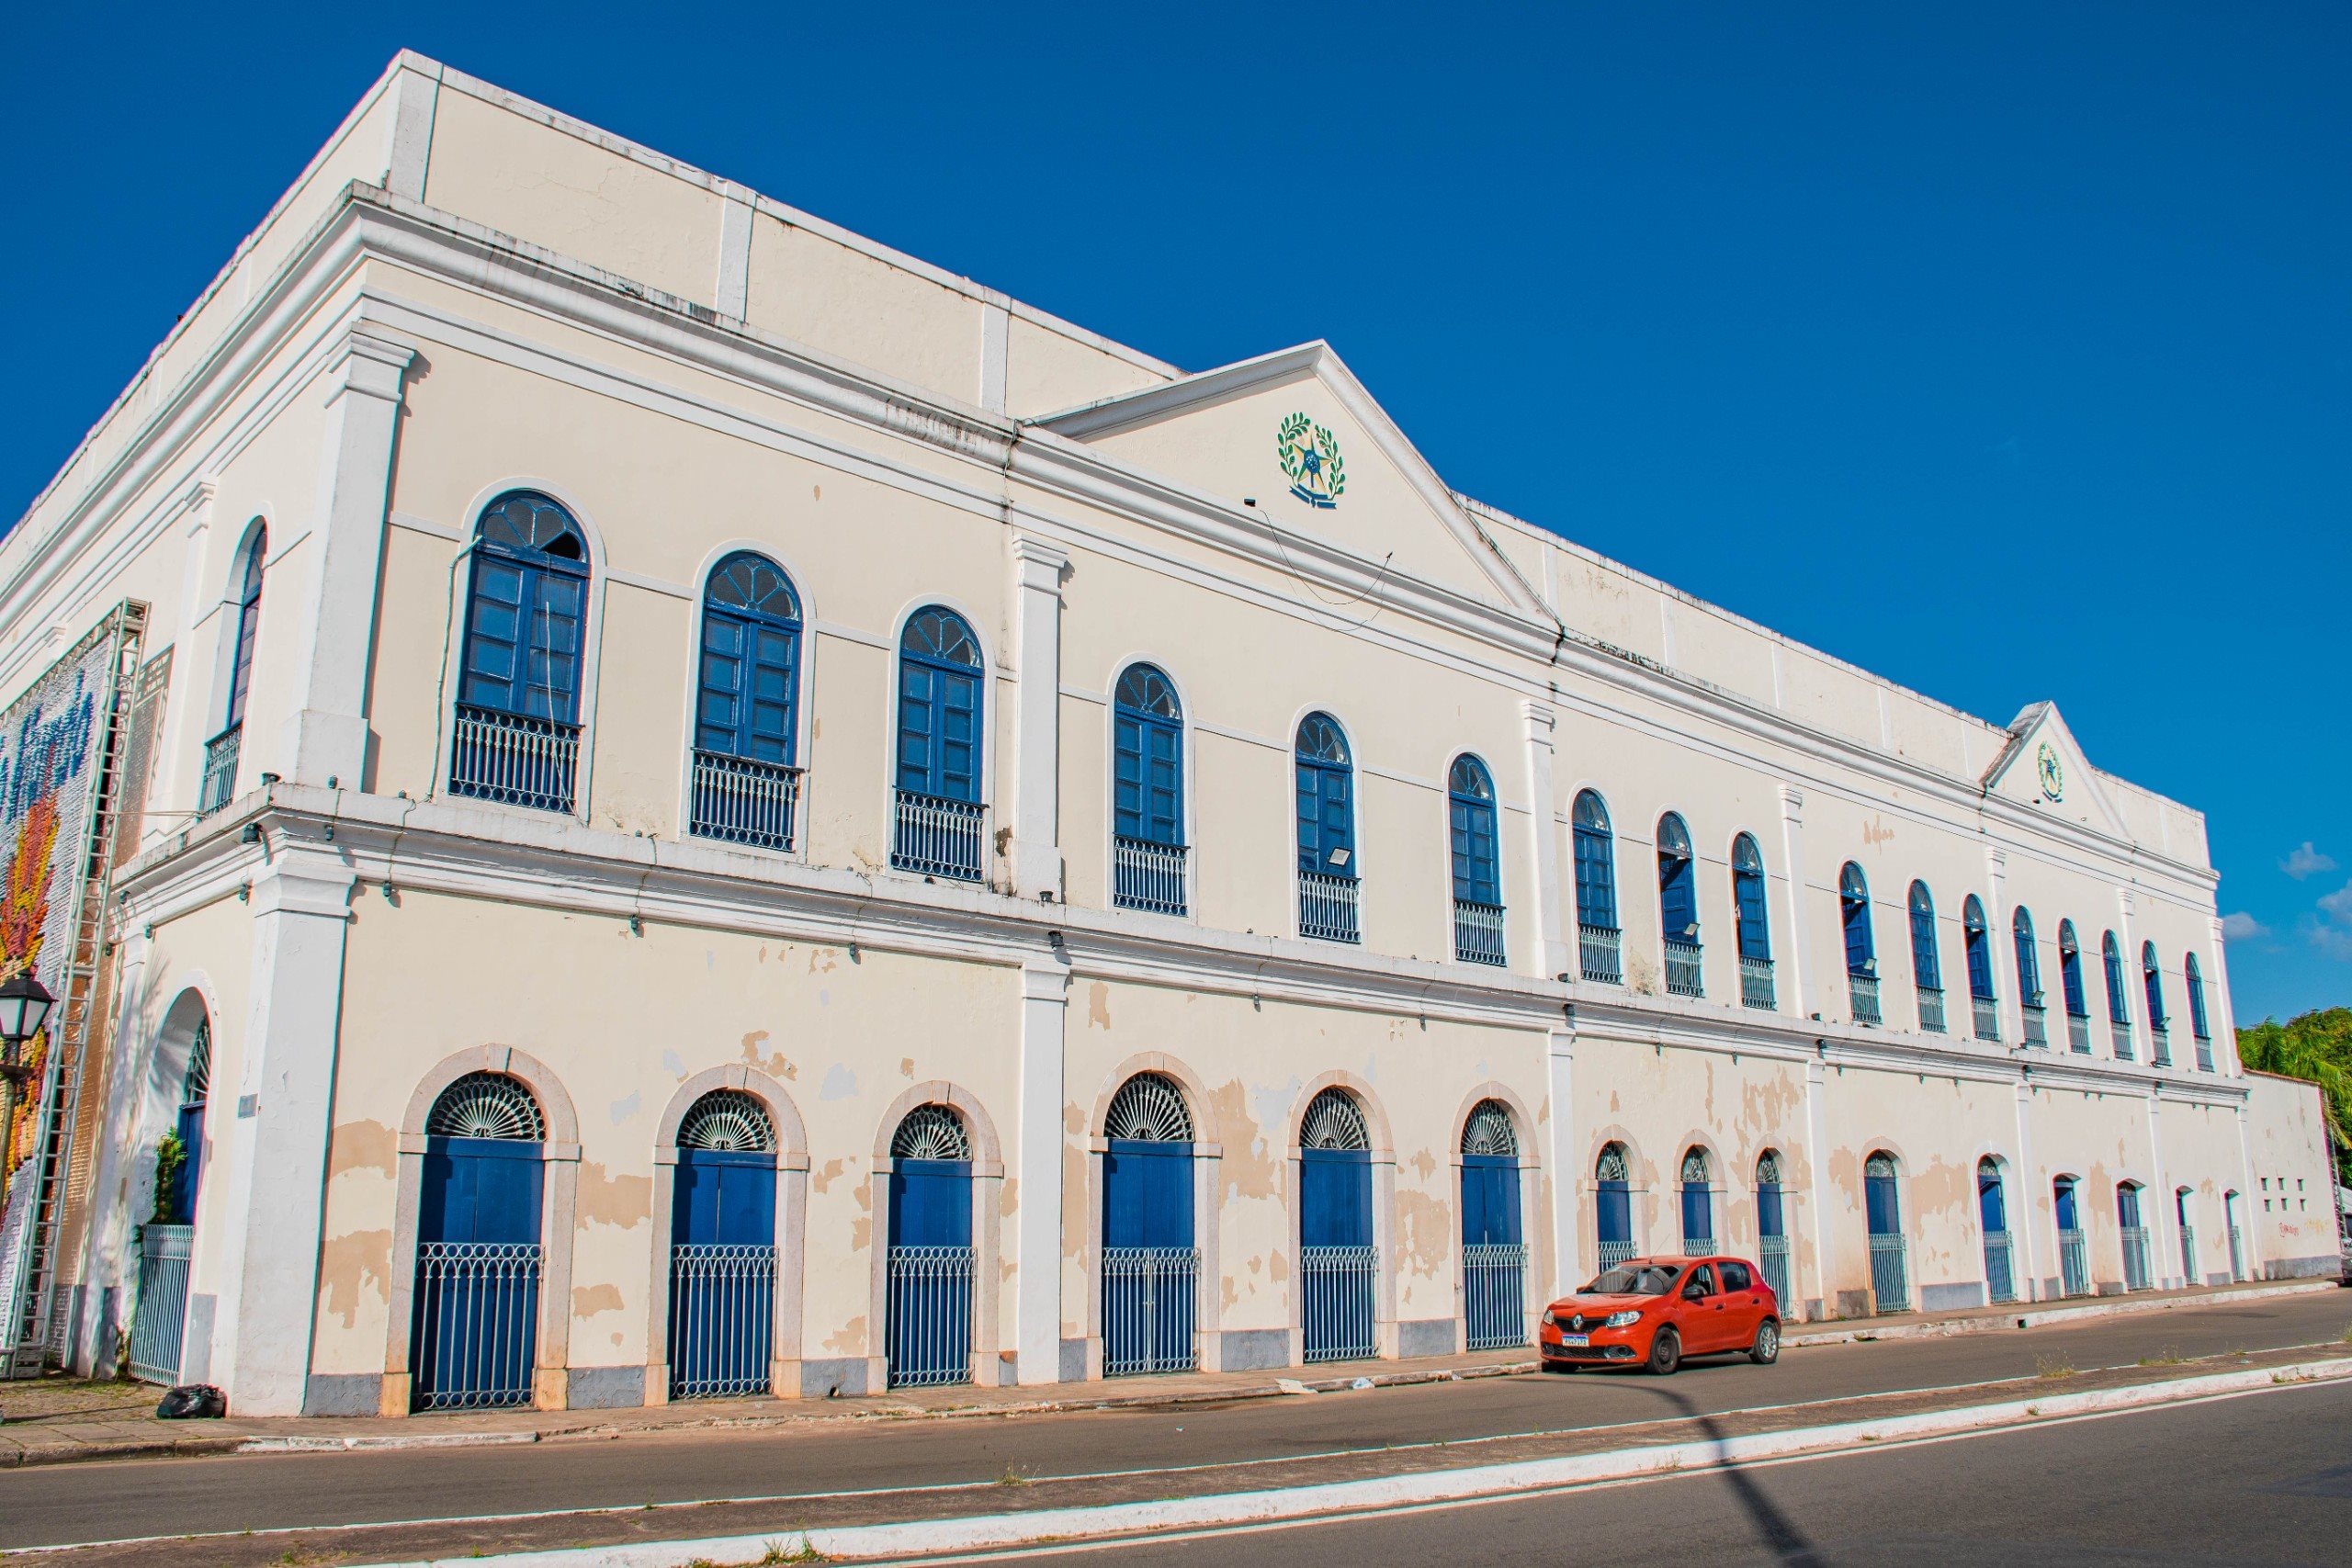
24 1008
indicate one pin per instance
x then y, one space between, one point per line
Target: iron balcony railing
1494 1295
477 1323
1612 1253
2237 1255
1478 933
1150 1294
1601 954
1699 1245
2160 1044
1890 1275
2000 1268
739 801
514 761
2135 1258
1326 906
159 1321
1986 1015
1145 875
1756 983
2188 1257
1932 1009
928 1336
2078 1032
2119 1034
1336 1287
2074 1264
2036 1018
219 769
2204 1053
1864 991
722 1320
938 836
1684 976
1772 1252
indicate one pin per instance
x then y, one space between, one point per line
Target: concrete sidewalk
65 1421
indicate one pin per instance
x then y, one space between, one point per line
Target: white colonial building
709 808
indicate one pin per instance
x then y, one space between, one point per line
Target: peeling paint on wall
607 1199
840 1083
362 1146
587 1301
355 1268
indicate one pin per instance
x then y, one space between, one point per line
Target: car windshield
1633 1280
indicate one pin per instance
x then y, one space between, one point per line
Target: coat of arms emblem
2053 775
1310 455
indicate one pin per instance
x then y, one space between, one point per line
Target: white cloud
2242 927
2331 930
2304 860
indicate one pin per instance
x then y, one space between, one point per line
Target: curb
998 1531
2039 1317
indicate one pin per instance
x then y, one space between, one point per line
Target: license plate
1575 1339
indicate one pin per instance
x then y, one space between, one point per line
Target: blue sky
2005 350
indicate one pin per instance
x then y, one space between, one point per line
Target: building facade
722 810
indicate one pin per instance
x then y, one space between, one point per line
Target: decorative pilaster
1037 568
2221 1012
1820 1222
2141 1027
334 633
2029 1186
1037 1166
2000 938
1566 1158
1549 944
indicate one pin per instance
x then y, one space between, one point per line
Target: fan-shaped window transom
1489 1131
1333 1121
487 1105
728 1121
931 1132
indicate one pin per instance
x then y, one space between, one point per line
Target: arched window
2070 985
1861 950
1328 869
1678 904
2119 1005
1752 923
1927 971
517 736
2028 962
1600 953
940 714
747 705
1477 863
1614 1205
1148 793
1698 1206
221 751
2152 981
1977 947
2197 1022
1771 1224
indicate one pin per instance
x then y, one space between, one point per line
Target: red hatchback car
1653 1312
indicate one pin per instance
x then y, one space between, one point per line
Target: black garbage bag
193 1402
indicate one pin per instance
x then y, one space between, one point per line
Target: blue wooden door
722 1272
1990 1209
1614 1207
1334 1198
1769 1219
928 1336
1149 779
939 752
1338 1262
749 682
476 1333
1878 1195
1150 1277
1491 1200
1326 820
1494 1266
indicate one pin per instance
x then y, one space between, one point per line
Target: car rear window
1735 1276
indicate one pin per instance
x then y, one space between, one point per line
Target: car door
1743 1303
1702 1318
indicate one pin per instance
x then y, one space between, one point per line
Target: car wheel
1767 1348
1665 1352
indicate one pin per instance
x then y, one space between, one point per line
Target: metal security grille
1145 875
739 801
1864 991
2035 1024
513 760
1773 1254
722 1320
938 838
930 1335
1612 1253
1326 906
2237 1255
159 1323
477 1323
219 769
1336 1296
1756 983
2074 1265
1494 1294
1890 1274
2189 1255
1601 954
2135 1258
1148 1299
1931 1010
1685 974
1986 1020
2000 1268
487 1105
1478 933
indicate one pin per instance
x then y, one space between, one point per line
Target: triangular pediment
2044 767
1296 434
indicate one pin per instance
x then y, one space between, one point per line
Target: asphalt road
2260 1479
122 1500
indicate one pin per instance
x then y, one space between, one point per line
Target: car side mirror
1694 1294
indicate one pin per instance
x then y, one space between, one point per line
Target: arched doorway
722 1249
2133 1231
2073 1258
1494 1248
1613 1205
1890 1263
167 1242
1772 1226
477 1252
1152 1258
1992 1210
928 1338
1698 1204
1339 1264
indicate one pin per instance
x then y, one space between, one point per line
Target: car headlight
1621 1320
